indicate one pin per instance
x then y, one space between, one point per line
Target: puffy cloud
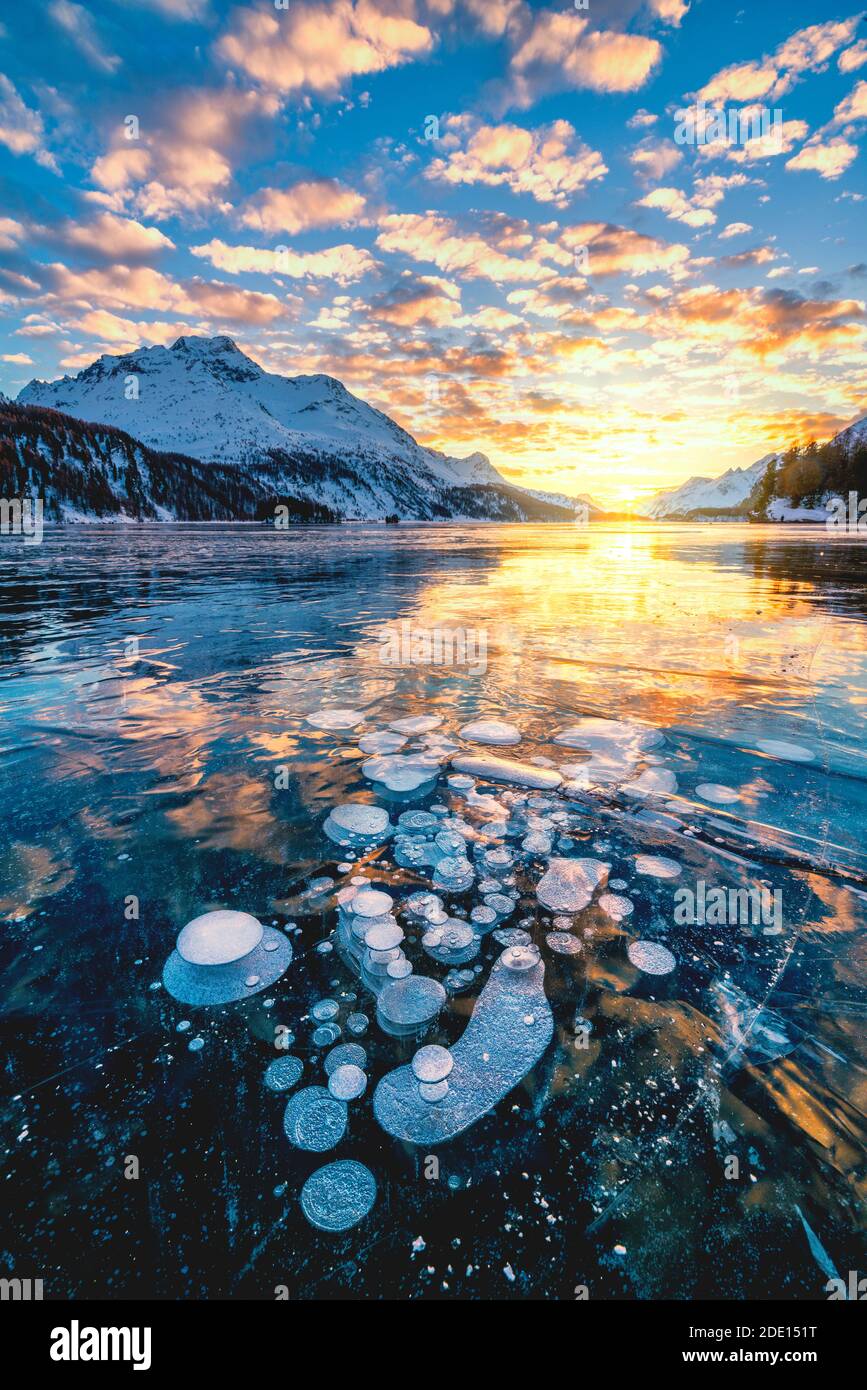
550 163
640 119
109 236
424 300
561 52
432 237
617 250
22 130
308 203
11 232
734 229
853 107
18 359
341 263
852 58
182 164
140 287
653 159
829 158
78 25
678 207
773 75
318 47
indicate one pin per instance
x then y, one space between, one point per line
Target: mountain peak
205 347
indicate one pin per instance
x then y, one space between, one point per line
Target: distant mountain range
306 441
199 431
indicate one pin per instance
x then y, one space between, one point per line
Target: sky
517 227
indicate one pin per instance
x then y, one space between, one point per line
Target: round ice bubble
338 1196
651 957
218 938
432 1063
371 903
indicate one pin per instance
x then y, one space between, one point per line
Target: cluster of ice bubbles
222 957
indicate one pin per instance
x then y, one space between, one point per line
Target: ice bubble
338 1196
460 782
595 734
454 873
456 943
347 1082
791 752
357 820
712 791
651 957
512 936
399 969
417 724
563 944
383 936
493 1056
324 1010
195 1044
654 781
411 821
333 718
401 772
381 742
326 1035
499 903
617 884
617 907
450 842
283 1073
227 983
490 731
537 842
345 1052
520 958
657 866
483 916
506 770
370 902
410 1003
432 1063
357 1024
568 884
218 938
314 1120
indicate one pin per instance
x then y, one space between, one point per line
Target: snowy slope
703 494
312 438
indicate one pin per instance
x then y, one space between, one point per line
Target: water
157 763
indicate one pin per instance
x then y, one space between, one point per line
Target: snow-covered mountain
707 494
309 436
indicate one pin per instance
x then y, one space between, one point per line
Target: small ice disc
338 1196
347 1082
218 938
432 1063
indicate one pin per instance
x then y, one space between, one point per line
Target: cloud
640 119
772 76
550 163
22 130
318 47
340 263
182 163
734 229
560 52
854 57
653 159
617 250
11 232
109 236
424 300
318 202
853 107
677 206
432 237
830 159
139 287
78 25
18 359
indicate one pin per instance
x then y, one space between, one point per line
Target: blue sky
550 278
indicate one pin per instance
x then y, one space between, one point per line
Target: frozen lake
695 1125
